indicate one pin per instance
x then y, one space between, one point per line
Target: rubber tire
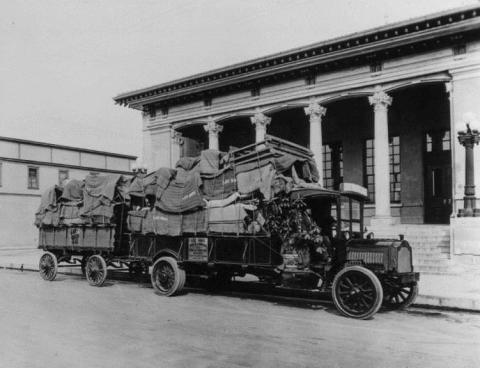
103 267
408 302
52 275
178 274
376 284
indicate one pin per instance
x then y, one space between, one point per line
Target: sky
62 61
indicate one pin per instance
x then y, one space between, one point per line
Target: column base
381 221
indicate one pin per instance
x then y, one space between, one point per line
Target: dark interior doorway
194 139
437 177
292 125
236 133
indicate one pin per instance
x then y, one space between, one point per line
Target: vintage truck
298 235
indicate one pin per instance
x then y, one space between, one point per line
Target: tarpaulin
229 219
164 223
260 179
220 185
73 191
70 213
100 194
194 222
135 220
48 211
182 194
187 163
209 161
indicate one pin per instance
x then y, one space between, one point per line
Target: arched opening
237 132
291 124
194 140
345 127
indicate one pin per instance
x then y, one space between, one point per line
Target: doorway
437 177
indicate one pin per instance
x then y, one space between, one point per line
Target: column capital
177 137
380 100
212 127
315 110
260 119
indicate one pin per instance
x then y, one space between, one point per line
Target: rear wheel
167 278
397 295
96 270
357 292
48 266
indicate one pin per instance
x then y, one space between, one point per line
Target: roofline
121 98
69 148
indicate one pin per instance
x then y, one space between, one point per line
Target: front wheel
357 292
398 296
96 270
48 266
167 278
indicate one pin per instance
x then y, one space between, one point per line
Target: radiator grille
404 260
366 257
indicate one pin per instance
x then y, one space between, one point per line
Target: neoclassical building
380 108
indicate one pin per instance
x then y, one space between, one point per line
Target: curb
443 302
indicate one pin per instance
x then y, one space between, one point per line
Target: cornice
67 148
381 43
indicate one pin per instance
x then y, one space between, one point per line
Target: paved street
67 323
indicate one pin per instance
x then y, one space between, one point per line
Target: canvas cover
48 212
100 194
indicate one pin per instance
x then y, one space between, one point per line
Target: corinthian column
315 111
260 121
212 129
380 102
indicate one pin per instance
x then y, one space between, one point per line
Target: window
332 156
446 141
394 154
33 178
62 176
395 170
436 141
369 175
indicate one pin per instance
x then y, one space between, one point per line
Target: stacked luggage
83 213
218 192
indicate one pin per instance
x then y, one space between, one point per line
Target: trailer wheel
48 266
357 292
167 278
398 296
96 270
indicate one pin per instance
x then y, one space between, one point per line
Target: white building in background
28 168
380 108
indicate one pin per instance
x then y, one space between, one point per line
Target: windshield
350 217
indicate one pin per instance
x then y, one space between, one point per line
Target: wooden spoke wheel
167 278
48 266
96 270
357 292
397 295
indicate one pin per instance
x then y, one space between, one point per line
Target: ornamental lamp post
469 139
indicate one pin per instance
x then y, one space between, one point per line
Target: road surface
67 323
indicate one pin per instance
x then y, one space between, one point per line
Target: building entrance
437 177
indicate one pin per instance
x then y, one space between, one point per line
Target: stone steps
430 245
